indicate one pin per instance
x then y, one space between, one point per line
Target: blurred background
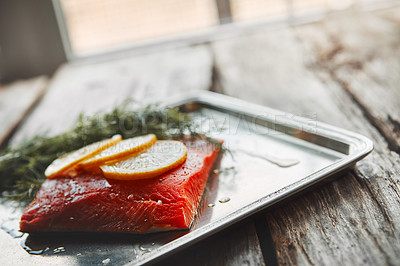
37 36
334 61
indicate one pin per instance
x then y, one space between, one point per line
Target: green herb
22 167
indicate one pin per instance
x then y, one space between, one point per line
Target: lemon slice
160 158
68 160
120 150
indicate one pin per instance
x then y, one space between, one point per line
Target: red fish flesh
90 202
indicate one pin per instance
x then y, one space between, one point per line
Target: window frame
225 29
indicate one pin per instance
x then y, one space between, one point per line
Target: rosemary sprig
22 167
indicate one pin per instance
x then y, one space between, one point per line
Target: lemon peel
160 158
65 163
120 150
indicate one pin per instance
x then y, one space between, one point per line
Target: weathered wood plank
94 87
364 58
16 100
237 245
354 219
268 69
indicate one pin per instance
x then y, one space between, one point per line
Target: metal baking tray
273 155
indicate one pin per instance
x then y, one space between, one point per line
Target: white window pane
99 24
253 9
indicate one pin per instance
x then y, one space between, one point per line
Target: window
98 26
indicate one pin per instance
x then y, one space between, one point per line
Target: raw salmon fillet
90 202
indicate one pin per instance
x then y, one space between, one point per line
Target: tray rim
360 145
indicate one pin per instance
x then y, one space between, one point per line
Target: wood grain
90 87
237 245
93 87
343 70
355 219
364 59
16 100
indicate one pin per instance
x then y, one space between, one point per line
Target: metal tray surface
273 155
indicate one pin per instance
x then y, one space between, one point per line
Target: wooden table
343 70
